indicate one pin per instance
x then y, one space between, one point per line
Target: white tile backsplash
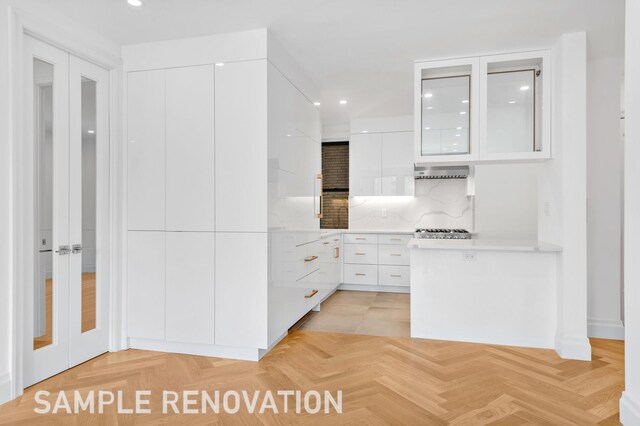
437 204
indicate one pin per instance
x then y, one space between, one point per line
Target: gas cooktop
443 234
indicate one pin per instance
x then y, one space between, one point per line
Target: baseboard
377 288
245 354
577 348
5 388
605 329
629 410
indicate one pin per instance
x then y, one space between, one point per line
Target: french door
66 136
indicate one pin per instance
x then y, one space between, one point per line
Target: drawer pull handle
361 239
396 276
396 254
310 295
326 242
360 275
396 239
361 254
310 258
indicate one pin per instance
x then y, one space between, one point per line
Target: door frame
105 54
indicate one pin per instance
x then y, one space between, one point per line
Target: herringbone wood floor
385 381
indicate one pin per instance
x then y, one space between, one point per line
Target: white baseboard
577 348
246 354
5 388
606 329
378 288
629 410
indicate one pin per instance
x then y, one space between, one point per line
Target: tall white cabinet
223 150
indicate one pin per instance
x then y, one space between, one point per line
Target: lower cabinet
241 291
376 260
190 287
146 280
171 286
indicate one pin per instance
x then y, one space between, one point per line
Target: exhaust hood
441 172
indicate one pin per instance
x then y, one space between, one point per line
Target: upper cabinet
483 109
381 164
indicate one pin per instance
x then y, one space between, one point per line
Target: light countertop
481 244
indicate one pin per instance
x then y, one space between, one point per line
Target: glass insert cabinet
487 108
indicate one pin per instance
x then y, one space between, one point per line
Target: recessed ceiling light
428 95
463 112
135 3
365 131
343 102
316 103
220 64
458 128
524 88
288 136
427 128
91 132
458 135
512 102
429 107
455 144
466 101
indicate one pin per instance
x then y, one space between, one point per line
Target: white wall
506 202
630 403
605 153
6 207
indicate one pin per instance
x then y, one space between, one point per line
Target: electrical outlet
469 257
384 213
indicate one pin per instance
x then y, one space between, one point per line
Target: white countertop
481 244
371 231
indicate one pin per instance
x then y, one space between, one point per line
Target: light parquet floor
385 381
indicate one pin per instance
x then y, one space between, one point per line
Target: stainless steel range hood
441 172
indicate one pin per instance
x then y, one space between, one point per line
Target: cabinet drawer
361 239
394 239
361 253
393 255
394 275
361 274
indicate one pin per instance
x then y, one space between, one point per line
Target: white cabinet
494 108
381 164
190 148
365 164
190 287
241 289
397 164
376 260
241 147
146 285
146 150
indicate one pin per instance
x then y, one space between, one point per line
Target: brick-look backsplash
335 169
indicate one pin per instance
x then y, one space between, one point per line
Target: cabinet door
365 164
190 287
146 285
241 289
190 163
241 147
397 163
146 150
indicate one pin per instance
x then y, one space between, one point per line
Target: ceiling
362 50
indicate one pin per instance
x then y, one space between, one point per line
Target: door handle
76 248
63 250
310 258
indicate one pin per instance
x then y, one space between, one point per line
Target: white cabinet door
241 147
241 289
397 163
190 287
146 285
146 150
189 135
365 164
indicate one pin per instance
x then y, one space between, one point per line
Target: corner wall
630 402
